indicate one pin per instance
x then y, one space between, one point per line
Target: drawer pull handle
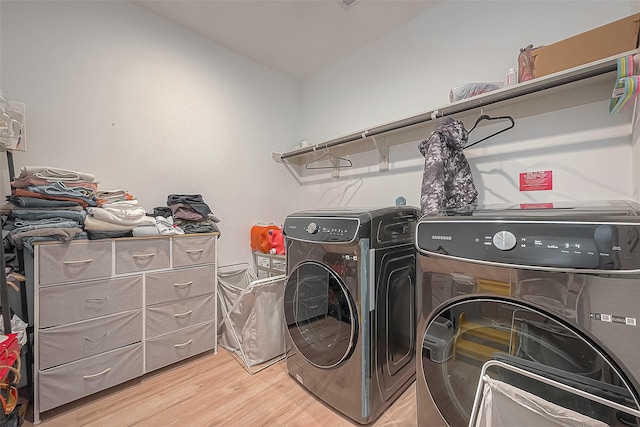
82 261
99 339
182 345
313 307
88 377
186 313
144 255
97 300
195 251
182 285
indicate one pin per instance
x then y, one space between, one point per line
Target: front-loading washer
550 291
350 305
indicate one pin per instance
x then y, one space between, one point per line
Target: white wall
411 71
149 107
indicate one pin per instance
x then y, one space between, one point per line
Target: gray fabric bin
252 325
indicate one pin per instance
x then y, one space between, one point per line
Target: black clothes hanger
336 162
486 117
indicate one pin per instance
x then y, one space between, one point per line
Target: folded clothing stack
192 214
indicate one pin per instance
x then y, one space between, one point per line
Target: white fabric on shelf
95 224
135 216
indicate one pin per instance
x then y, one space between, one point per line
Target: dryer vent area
467 333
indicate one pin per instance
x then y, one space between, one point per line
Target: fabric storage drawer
62 344
188 250
141 255
164 318
72 303
74 380
62 263
167 349
179 284
269 265
279 265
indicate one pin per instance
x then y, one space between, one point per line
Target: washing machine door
320 314
465 337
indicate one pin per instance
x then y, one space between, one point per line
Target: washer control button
504 240
312 228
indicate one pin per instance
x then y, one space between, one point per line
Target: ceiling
296 37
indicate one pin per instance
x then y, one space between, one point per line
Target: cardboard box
608 40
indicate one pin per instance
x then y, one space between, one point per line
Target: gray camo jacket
447 183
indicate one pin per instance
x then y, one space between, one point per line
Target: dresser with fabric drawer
108 311
181 304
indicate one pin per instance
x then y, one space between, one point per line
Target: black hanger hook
486 117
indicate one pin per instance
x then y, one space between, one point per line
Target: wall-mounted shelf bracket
335 172
383 151
335 163
277 157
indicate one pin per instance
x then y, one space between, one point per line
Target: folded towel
55 174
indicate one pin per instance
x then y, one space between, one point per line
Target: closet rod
489 98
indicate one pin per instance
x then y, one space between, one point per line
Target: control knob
312 228
504 240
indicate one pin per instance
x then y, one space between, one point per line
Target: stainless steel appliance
553 289
350 305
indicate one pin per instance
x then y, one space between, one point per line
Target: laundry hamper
252 324
503 404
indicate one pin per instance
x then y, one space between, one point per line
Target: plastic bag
468 90
18 326
525 64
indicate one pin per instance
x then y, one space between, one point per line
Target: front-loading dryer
540 301
350 305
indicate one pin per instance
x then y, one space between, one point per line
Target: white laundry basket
500 403
252 324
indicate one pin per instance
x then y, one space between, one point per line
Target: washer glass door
320 314
467 332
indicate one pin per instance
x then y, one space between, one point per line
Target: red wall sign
536 205
536 181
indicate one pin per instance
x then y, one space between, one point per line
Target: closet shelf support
335 172
277 157
383 152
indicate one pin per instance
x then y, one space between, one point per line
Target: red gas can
276 241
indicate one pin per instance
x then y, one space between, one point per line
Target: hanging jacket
447 183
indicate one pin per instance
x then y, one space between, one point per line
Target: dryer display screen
535 243
329 230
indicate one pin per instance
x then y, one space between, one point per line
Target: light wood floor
213 390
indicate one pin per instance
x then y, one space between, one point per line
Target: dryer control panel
553 244
322 229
